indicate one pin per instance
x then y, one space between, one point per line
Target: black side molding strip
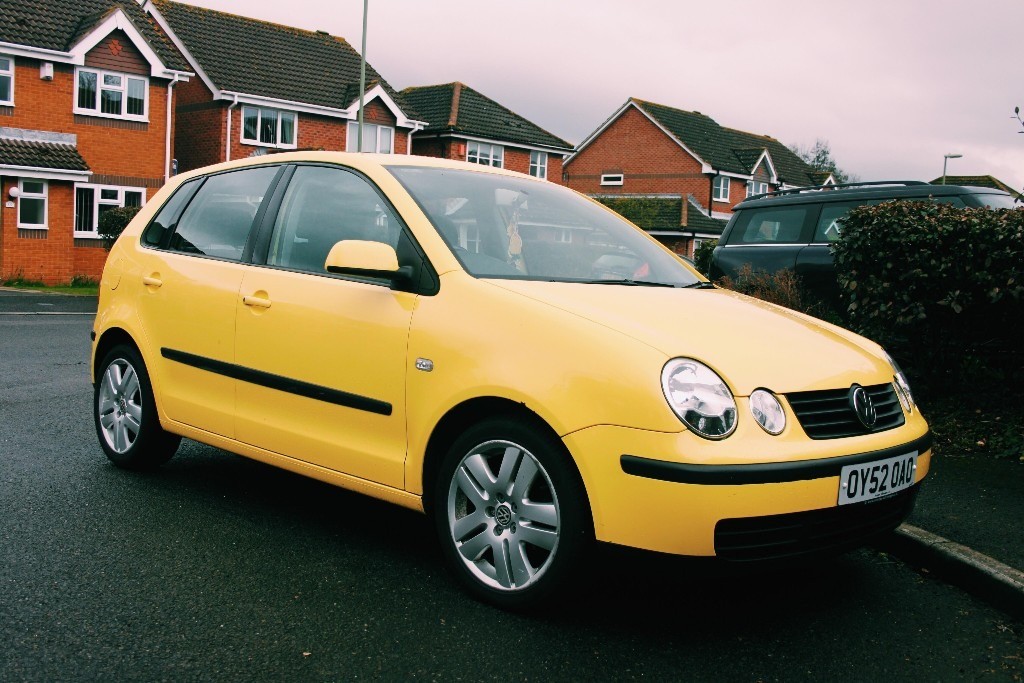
285 384
761 473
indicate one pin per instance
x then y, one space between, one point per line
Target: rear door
190 273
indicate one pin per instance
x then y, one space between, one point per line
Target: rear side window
830 222
770 226
168 215
218 220
996 201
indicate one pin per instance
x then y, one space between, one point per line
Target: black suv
795 228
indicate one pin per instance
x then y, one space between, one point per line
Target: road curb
998 584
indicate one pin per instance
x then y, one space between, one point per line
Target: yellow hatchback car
500 352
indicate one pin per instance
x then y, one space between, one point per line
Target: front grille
832 529
827 414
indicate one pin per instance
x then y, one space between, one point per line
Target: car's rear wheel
511 513
125 413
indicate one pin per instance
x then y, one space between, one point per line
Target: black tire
519 538
124 411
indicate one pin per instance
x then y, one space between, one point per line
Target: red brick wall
516 158
651 162
130 152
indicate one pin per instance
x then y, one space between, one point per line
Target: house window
112 95
376 138
563 236
268 127
32 203
721 189
539 164
483 153
469 238
6 80
612 179
92 201
756 187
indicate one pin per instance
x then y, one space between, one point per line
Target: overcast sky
891 85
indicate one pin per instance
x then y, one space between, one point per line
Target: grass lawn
86 288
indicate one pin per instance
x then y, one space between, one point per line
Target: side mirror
368 259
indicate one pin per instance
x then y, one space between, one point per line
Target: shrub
929 277
781 287
114 221
702 256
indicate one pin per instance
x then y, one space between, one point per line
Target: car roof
357 160
896 189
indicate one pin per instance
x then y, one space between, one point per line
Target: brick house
679 173
978 181
464 125
85 125
263 87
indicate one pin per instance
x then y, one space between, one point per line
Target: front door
322 357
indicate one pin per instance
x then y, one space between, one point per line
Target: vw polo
499 352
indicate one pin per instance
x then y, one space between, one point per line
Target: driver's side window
321 207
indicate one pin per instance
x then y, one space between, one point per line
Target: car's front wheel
125 413
511 513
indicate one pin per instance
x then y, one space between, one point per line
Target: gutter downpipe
227 150
167 143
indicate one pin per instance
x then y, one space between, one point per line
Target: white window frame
352 137
281 113
563 236
45 196
123 89
539 164
8 73
719 183
613 178
486 154
98 200
756 187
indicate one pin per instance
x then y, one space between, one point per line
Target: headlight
767 411
902 386
699 398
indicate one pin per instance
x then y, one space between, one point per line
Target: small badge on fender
424 364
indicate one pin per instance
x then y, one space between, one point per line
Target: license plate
877 479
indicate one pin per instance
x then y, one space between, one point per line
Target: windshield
516 228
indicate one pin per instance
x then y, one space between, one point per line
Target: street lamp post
362 78
945 160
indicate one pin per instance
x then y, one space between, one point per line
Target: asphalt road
218 568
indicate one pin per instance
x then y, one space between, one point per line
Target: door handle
151 281
256 301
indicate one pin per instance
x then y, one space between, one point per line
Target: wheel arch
110 338
459 417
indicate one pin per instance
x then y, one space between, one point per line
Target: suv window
321 207
217 221
996 201
770 225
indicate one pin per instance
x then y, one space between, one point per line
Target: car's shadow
368 538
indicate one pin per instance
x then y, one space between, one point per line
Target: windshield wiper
699 285
626 281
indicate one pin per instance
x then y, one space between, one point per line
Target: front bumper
644 494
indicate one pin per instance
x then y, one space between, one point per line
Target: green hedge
925 276
114 221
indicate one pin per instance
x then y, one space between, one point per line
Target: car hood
750 343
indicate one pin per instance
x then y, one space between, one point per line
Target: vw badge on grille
862 406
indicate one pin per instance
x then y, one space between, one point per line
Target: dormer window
111 95
6 80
